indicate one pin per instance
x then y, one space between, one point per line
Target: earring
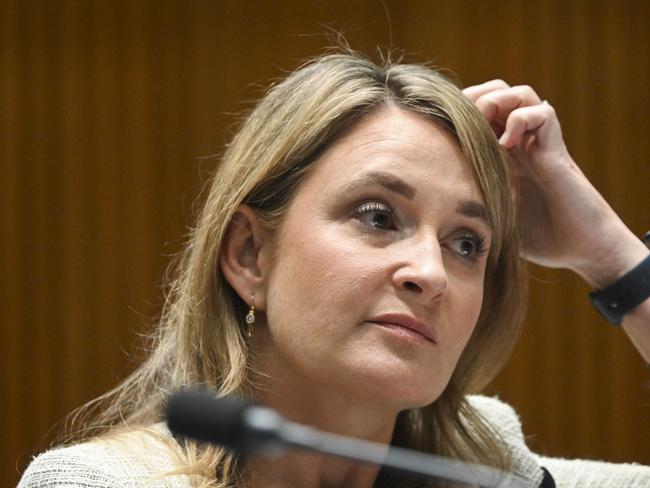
250 318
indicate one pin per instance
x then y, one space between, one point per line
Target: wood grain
107 109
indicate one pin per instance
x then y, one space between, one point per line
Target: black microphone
231 423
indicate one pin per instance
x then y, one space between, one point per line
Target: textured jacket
139 460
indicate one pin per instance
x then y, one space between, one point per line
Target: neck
325 408
308 470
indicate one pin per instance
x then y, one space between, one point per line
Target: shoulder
126 460
82 465
505 422
499 415
568 473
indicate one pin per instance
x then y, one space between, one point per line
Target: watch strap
624 295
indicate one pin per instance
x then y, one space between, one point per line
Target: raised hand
563 220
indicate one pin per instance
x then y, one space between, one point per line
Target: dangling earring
250 318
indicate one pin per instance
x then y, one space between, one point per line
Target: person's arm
564 222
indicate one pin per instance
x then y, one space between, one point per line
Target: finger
497 105
474 92
527 120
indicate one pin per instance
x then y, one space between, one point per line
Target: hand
563 220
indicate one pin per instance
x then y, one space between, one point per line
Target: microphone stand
407 462
229 422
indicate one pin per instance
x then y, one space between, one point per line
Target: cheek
467 300
474 305
318 281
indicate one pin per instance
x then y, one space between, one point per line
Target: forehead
404 143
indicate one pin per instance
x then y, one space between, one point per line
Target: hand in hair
564 222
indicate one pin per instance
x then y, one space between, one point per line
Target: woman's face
377 278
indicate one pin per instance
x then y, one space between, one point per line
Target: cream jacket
147 461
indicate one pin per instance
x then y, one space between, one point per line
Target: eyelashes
380 218
376 214
471 246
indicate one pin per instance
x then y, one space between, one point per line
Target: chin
419 400
406 393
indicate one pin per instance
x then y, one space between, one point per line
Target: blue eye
376 214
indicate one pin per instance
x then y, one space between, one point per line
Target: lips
407 322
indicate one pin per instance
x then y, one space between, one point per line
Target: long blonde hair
199 339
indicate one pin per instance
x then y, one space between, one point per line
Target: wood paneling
107 107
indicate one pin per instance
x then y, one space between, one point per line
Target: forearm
563 221
630 252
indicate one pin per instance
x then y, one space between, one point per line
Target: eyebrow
470 208
467 208
385 180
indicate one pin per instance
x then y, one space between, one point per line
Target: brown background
107 108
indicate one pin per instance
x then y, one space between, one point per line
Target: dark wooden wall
107 108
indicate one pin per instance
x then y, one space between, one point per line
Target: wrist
626 294
606 269
621 287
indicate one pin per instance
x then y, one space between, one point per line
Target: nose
422 271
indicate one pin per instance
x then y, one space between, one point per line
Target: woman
356 268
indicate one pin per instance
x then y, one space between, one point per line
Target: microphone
231 423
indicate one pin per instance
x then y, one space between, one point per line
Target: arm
564 222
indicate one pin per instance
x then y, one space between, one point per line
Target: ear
242 254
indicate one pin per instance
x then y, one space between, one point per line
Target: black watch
627 293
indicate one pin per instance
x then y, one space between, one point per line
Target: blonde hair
200 340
